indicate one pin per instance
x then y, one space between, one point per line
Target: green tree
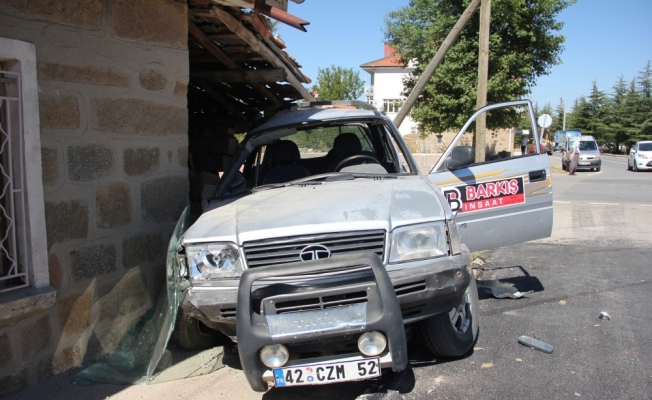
523 46
643 110
621 122
599 109
581 115
337 83
557 118
645 81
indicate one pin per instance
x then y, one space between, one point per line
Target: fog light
274 356
372 343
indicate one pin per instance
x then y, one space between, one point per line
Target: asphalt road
613 184
597 259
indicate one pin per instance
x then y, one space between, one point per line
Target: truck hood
360 204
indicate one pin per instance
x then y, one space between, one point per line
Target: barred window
23 252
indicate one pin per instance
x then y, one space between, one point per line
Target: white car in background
640 156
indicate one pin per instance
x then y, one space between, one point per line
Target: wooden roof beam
245 34
220 99
209 45
241 75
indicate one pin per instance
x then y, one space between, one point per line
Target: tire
635 168
629 167
599 168
190 334
563 166
454 333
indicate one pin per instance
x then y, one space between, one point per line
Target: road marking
596 173
606 204
615 162
563 202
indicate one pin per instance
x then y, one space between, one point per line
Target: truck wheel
454 333
190 334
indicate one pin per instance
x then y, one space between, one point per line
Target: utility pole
564 123
434 63
483 77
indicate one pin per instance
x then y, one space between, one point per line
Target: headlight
274 355
214 261
642 157
372 343
418 242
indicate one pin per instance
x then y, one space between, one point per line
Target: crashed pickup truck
325 248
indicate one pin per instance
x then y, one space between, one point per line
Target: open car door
505 199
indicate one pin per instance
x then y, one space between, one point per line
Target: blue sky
604 40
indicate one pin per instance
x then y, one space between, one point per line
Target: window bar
14 275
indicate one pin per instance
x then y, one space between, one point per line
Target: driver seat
284 159
345 145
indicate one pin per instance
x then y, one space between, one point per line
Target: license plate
320 374
584 163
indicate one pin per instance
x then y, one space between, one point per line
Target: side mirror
461 156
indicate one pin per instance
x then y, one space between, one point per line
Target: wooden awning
237 66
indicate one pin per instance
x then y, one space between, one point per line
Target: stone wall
496 142
112 79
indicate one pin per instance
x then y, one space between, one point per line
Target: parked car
640 156
324 247
589 153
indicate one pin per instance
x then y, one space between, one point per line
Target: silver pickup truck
325 247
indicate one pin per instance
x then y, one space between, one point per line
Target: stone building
100 101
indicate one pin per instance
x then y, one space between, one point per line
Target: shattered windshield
358 148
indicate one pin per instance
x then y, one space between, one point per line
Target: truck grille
324 302
287 249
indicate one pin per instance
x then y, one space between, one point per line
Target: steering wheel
355 157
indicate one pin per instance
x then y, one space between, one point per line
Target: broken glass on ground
143 348
502 290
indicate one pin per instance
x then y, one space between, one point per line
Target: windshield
354 148
586 145
645 146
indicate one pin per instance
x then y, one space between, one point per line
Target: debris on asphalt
478 348
577 394
502 290
604 315
519 360
487 365
562 302
478 261
535 344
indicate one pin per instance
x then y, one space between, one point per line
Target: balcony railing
369 90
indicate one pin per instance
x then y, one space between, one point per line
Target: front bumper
377 311
423 288
590 164
643 164
392 299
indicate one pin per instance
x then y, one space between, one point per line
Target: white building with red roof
385 91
